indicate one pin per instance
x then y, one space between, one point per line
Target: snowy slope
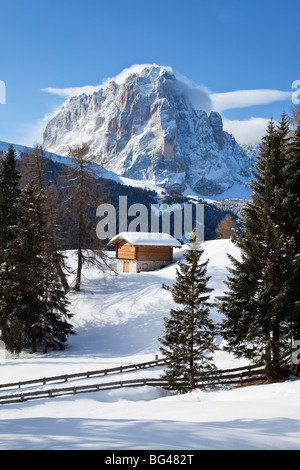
237 191
99 171
118 319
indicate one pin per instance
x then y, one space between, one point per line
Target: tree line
34 309
33 306
261 307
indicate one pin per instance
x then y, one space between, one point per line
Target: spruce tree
9 194
21 276
188 337
255 307
47 316
33 301
292 234
55 327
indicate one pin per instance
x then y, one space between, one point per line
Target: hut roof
146 239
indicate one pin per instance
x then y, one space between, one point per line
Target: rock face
146 128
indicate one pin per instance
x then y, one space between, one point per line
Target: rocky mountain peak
147 128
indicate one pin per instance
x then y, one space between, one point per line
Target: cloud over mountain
147 124
247 131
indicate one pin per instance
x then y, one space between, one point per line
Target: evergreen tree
21 276
9 193
55 328
189 332
255 307
33 301
292 229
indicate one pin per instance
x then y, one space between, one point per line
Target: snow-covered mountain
146 128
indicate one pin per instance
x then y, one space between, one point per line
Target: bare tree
33 169
226 227
81 198
296 113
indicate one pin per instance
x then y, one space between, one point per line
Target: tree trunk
80 229
79 270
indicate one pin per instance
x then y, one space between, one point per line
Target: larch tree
81 199
33 168
226 227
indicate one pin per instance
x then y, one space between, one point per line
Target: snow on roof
146 239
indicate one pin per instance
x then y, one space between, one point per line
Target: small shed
143 251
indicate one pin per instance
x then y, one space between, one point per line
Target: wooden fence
237 376
87 374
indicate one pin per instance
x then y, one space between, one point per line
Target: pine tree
255 306
9 194
33 302
55 327
188 336
292 234
47 315
21 276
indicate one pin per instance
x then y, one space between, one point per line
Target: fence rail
87 374
237 376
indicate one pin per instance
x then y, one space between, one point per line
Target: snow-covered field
118 319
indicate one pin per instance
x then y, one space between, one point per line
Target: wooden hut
143 251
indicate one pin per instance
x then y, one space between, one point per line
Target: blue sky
224 45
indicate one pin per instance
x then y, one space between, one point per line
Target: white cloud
199 95
246 98
70 92
33 132
249 131
90 89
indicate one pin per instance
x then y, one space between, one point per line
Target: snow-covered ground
118 319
